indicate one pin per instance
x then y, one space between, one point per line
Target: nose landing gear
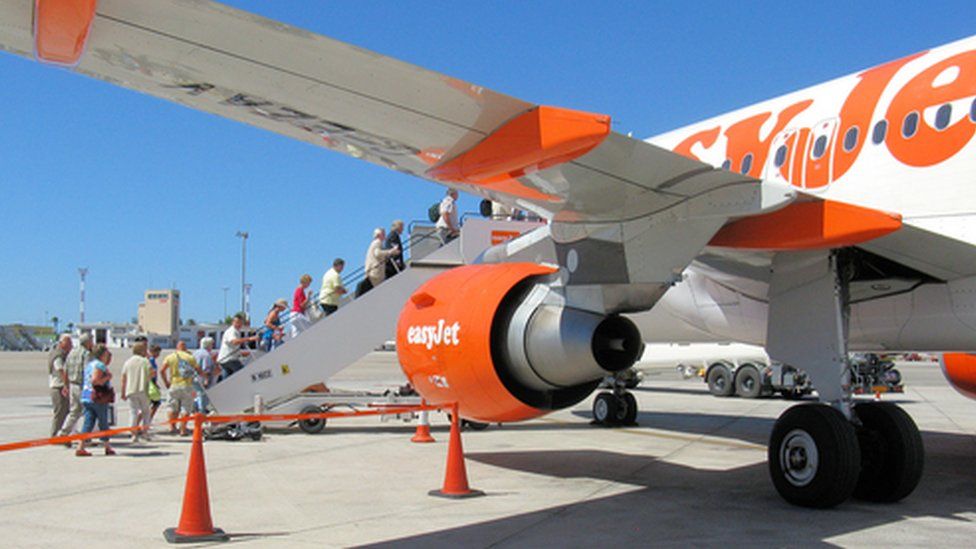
618 407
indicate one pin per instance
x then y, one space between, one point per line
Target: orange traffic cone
455 477
423 429
195 522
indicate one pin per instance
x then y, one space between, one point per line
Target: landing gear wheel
626 409
793 394
255 430
814 456
720 381
748 382
892 377
311 426
605 408
469 424
892 453
473 425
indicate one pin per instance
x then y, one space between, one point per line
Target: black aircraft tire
748 382
892 453
605 409
814 457
720 381
311 426
627 409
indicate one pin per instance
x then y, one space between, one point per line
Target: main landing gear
822 454
818 458
615 408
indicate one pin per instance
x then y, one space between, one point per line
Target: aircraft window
850 138
972 111
780 157
880 129
746 163
819 147
910 125
942 116
727 164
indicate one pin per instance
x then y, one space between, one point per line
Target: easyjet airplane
838 216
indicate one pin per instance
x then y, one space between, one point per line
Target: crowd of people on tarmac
80 381
81 385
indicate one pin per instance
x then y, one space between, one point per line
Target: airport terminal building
157 319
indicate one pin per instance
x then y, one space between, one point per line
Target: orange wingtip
61 29
808 226
534 140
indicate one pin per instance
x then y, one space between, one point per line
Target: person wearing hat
272 331
75 368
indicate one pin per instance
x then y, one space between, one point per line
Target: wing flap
934 254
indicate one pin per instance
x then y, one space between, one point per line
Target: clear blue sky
149 194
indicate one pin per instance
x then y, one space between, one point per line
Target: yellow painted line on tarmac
704 439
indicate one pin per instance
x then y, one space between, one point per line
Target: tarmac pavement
692 472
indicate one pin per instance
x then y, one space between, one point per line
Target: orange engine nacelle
485 337
960 370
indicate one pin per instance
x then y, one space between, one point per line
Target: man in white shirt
448 227
135 389
231 347
376 258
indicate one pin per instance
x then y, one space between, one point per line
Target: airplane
832 218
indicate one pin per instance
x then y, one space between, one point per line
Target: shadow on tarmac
674 504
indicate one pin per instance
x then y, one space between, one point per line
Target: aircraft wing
566 165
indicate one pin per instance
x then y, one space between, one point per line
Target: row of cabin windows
909 127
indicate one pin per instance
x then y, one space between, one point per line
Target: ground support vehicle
316 402
752 379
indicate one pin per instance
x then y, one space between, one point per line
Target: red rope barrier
236 418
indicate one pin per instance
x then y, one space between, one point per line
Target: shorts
181 398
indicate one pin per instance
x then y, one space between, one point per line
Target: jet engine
960 370
496 340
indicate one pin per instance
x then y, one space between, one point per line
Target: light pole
247 303
243 236
82 272
225 300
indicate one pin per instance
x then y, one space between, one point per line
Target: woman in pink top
300 298
298 302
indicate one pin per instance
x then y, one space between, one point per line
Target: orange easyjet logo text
918 127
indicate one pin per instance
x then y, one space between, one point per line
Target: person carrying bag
96 396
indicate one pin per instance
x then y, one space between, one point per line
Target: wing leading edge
237 65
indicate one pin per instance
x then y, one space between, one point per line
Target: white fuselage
897 138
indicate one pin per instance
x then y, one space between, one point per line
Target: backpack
434 212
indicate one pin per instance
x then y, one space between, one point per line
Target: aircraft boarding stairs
16 338
357 328
9 341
